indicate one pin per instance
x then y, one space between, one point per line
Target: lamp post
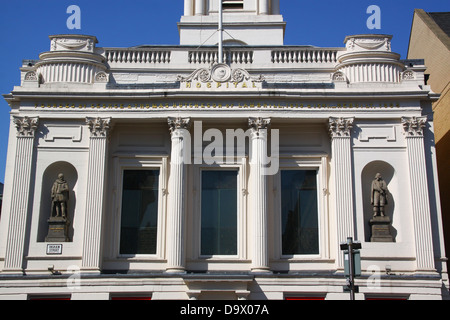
352 263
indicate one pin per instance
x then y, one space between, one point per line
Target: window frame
241 209
233 5
318 164
141 164
154 170
202 171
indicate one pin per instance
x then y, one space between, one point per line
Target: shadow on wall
367 176
50 175
1 197
443 163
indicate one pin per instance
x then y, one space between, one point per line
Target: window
233 4
139 212
299 212
219 212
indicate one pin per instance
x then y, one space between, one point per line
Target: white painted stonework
347 113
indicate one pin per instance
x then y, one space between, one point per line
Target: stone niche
49 177
379 229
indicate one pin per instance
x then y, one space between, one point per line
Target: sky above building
26 24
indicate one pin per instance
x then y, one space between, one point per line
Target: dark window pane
299 212
219 213
139 212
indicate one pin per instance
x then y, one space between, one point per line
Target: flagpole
220 31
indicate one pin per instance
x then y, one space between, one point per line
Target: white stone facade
344 113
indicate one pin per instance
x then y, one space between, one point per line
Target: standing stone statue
380 224
60 197
58 224
379 192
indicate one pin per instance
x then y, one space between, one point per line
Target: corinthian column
95 193
340 131
413 129
176 198
258 161
26 128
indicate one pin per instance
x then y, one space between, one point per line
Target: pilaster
413 129
98 146
26 128
259 127
176 209
340 132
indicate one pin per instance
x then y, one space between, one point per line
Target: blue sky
26 24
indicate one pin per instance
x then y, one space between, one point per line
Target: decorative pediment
221 74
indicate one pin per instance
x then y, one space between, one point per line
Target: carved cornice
340 127
178 124
26 127
413 127
99 127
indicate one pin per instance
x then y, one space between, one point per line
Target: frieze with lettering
218 105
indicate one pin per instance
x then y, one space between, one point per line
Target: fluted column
413 129
264 6
95 193
188 7
276 7
26 128
258 164
340 131
176 198
199 7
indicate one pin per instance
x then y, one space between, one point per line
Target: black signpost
352 264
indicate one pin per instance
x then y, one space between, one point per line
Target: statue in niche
60 198
58 224
380 224
379 198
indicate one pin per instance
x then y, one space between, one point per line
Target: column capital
340 127
26 127
178 123
99 127
413 126
259 123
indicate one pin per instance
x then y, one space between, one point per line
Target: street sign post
352 264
